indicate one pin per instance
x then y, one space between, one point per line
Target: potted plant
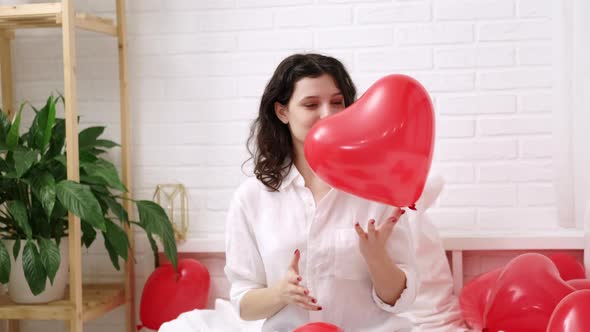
35 198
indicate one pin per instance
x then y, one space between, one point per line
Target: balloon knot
139 327
412 207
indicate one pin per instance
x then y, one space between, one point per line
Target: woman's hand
290 290
372 243
388 279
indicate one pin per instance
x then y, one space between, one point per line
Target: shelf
558 239
98 299
88 301
49 15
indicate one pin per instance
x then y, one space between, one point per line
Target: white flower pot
18 288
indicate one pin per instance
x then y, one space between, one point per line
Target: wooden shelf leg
13 326
73 170
125 163
457 261
6 74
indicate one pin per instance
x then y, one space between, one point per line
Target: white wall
486 63
198 68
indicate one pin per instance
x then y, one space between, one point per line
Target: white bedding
222 319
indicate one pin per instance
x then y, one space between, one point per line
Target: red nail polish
298 278
296 251
372 222
306 292
403 211
313 301
319 308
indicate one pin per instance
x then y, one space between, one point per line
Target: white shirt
264 228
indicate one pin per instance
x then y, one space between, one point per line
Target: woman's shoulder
249 189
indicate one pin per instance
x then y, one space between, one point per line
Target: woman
297 250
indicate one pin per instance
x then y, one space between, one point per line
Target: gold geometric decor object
173 199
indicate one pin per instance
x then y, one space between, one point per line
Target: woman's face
312 99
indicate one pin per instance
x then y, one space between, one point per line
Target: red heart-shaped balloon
525 295
167 295
572 313
380 147
318 327
474 297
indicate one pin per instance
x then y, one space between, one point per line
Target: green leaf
23 160
88 234
40 131
78 199
16 248
118 239
40 223
86 157
57 140
12 138
4 127
105 172
50 257
154 220
35 133
87 137
18 211
116 207
50 123
4 264
95 151
105 143
154 247
100 190
112 252
43 187
33 268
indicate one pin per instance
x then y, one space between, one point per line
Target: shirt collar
292 177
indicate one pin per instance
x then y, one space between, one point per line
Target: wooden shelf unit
83 302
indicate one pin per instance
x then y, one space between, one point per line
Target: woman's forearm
260 303
388 279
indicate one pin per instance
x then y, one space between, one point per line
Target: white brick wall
197 69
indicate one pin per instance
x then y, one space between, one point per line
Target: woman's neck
312 181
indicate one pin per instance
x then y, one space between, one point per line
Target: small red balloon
568 266
318 327
572 313
167 295
474 297
380 147
525 295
